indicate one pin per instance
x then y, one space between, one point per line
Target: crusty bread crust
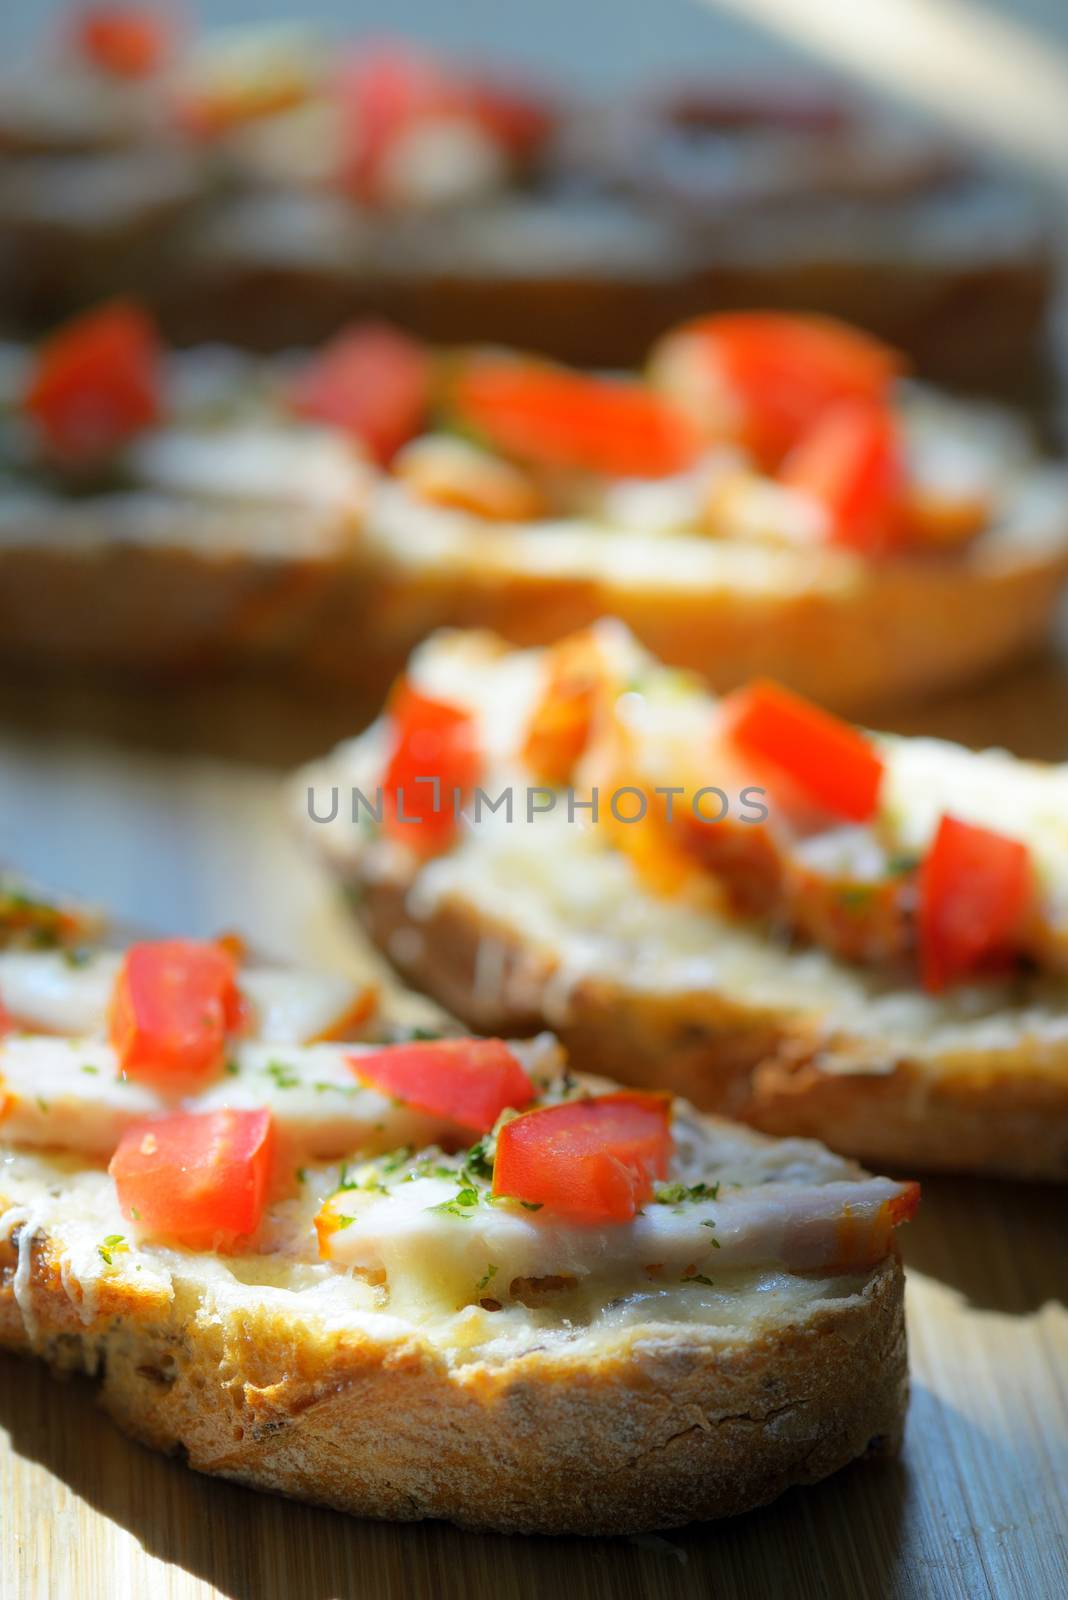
660 1426
350 617
1002 1112
901 630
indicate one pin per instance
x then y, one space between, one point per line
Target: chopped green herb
78 956
532 1205
461 1204
675 1194
232 1067
112 1245
302 1175
88 1067
42 1102
478 1163
856 896
396 1158
283 1075
900 866
490 1272
698 1277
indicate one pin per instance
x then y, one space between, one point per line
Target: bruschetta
163 510
743 899
766 498
440 1278
265 183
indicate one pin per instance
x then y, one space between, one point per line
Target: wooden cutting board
116 799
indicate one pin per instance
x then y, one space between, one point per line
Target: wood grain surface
166 808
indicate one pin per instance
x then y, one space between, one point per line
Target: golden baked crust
1001 1109
350 616
900 630
658 1425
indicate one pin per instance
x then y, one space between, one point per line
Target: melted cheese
69 1094
644 534
47 991
408 1235
580 909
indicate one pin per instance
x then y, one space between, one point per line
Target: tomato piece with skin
123 41
515 116
385 90
372 382
975 889
863 1242
467 1081
173 1005
199 1178
592 1161
388 89
764 378
551 417
851 462
95 384
827 760
434 759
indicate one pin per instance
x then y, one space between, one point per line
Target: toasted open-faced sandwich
433 1278
264 183
766 498
745 900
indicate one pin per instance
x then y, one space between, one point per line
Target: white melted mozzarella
581 909
405 1233
70 1094
47 991
293 465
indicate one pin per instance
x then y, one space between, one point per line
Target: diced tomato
764 378
467 1081
389 88
433 741
551 417
383 92
589 1160
516 118
830 761
174 1002
850 460
125 41
864 1240
975 889
95 384
199 1178
371 381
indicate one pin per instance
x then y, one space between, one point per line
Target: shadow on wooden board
274 723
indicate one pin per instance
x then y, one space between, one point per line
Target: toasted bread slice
524 924
640 1386
238 536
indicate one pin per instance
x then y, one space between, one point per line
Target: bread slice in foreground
394 1341
283 1374
549 923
